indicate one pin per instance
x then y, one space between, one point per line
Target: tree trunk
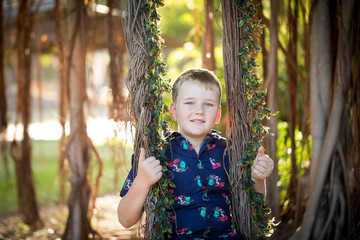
3 102
354 128
305 122
320 75
116 48
78 225
63 106
38 77
208 40
272 81
265 21
327 210
291 56
25 187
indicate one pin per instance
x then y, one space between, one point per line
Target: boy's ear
218 116
173 111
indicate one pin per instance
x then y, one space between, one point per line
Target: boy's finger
142 155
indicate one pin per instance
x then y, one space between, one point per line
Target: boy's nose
199 110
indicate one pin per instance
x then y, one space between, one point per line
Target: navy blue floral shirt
201 196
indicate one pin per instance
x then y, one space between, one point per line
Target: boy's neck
195 142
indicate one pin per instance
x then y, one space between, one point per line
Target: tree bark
312 227
25 187
320 75
116 46
38 66
63 106
208 40
264 52
291 56
272 81
78 225
3 101
305 122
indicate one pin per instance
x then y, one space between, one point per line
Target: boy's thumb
261 151
142 155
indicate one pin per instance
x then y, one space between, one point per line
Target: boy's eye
189 103
209 104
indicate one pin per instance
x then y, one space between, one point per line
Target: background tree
22 154
63 106
320 74
116 46
328 212
117 50
3 101
272 84
264 52
208 57
78 225
291 60
286 63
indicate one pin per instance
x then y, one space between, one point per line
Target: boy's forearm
131 205
260 186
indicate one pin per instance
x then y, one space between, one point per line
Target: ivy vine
158 126
256 103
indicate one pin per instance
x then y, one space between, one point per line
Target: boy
195 153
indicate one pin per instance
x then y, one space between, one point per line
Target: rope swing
246 108
146 109
145 105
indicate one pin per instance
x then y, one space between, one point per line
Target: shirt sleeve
129 179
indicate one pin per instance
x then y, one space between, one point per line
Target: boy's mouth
197 121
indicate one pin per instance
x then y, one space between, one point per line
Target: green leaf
241 23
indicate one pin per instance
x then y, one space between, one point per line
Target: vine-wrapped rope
246 109
135 37
238 125
145 104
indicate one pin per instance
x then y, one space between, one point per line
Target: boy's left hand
263 165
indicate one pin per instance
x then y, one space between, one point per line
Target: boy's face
197 109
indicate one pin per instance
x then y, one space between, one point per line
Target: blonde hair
203 76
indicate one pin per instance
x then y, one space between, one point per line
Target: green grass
45 167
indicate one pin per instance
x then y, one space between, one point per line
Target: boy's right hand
149 169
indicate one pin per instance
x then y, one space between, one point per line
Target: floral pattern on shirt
201 196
